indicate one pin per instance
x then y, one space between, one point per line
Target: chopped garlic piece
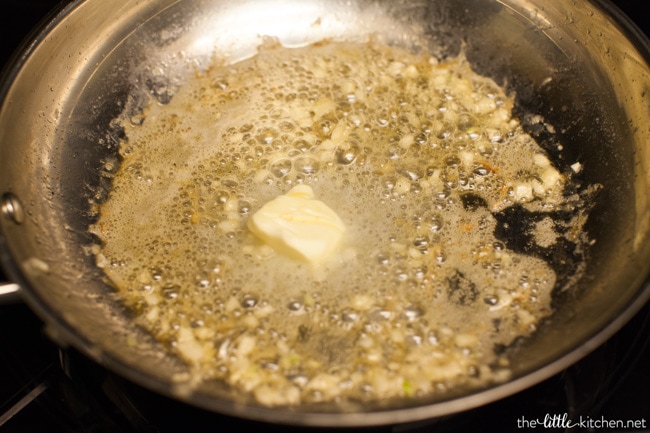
188 346
298 226
577 167
541 160
550 177
523 191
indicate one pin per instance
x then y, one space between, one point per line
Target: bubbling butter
411 294
298 225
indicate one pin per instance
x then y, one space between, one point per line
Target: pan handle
9 293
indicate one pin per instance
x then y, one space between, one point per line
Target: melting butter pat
298 226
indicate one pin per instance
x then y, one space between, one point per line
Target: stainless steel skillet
95 58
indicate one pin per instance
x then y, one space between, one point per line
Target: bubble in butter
298 226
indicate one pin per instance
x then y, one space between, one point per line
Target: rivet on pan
12 208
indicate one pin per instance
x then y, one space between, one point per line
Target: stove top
45 388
